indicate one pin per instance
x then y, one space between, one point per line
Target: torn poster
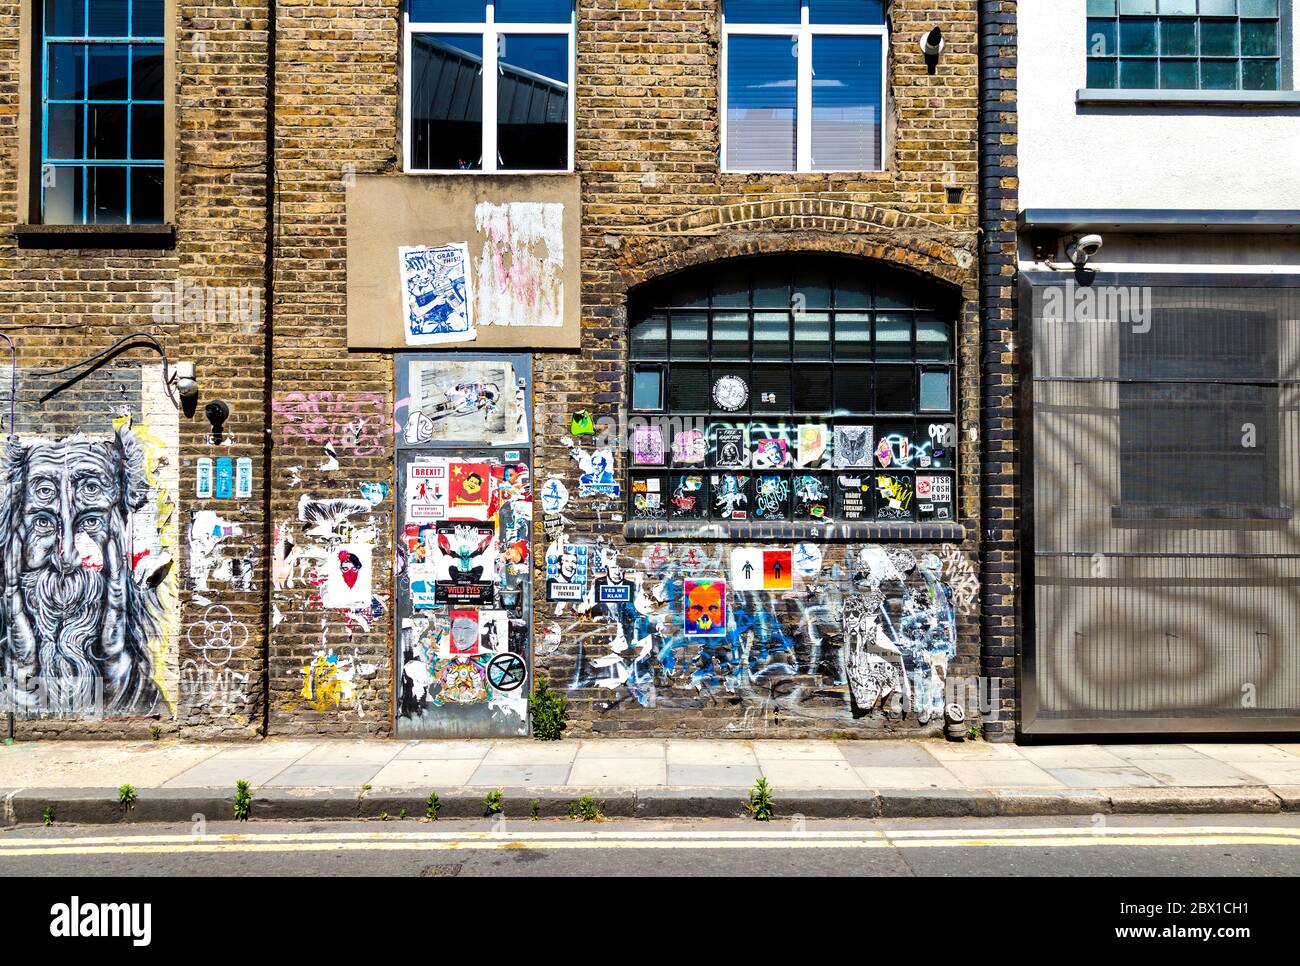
521 268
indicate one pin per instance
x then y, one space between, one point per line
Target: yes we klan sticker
756 569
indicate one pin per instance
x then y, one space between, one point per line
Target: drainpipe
268 344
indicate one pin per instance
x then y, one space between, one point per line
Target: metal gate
463 654
1161 474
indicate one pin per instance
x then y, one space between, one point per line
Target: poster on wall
648 446
934 496
747 569
426 491
648 498
436 295
464 561
469 487
854 446
347 577
730 448
894 496
811 445
465 400
566 572
705 608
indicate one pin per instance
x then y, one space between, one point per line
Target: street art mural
89 536
863 632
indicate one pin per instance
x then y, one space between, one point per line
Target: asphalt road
1182 846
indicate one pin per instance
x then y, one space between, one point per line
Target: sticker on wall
771 453
426 491
807 558
705 608
731 496
731 448
566 572
811 445
347 577
554 496
468 401
854 493
648 446
894 496
436 294
469 487
225 478
934 496
597 478
730 393
747 569
375 492
581 424
772 498
689 498
812 497
243 478
689 446
853 446
778 570
648 499
203 479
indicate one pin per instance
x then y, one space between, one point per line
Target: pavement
640 778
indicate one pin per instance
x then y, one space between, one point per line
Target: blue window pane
648 389
1259 75
1178 38
65 132
1101 38
147 18
533 11
847 94
106 195
533 102
108 71
447 101
846 11
761 101
1259 39
1137 74
106 132
1103 74
936 391
1219 75
147 72
65 18
67 71
762 11
1178 75
146 196
147 132
108 18
448 11
1218 38
1137 37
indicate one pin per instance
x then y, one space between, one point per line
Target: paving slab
1205 772
1071 756
622 748
426 774
683 752
1002 774
494 775
716 775
527 751
797 751
1129 752
946 751
1271 772
1144 801
618 771
1233 753
222 771
1125 775
888 754
810 774
96 764
444 750
907 777
341 775
352 752
271 749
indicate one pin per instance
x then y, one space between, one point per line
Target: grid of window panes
102 112
801 390
526 44
765 77
1185 44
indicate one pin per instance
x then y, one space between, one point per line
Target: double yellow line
623 838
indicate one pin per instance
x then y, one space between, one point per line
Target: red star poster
469 491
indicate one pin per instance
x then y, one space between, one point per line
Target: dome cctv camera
1082 249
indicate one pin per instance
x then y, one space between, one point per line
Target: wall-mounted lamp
932 47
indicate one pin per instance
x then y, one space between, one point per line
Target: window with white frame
488 85
803 85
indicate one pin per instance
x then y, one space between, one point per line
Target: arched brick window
813 388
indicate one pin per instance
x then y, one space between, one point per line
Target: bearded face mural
77 626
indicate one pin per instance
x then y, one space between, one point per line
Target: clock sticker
730 393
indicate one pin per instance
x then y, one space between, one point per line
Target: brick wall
61 304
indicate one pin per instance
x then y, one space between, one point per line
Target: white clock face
730 393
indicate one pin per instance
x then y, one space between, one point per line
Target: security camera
186 382
932 42
1082 249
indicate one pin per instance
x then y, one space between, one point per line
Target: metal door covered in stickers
464 520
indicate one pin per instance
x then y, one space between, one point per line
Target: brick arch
798 226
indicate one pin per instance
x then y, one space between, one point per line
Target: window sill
1245 100
802 531
96 236
1137 513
